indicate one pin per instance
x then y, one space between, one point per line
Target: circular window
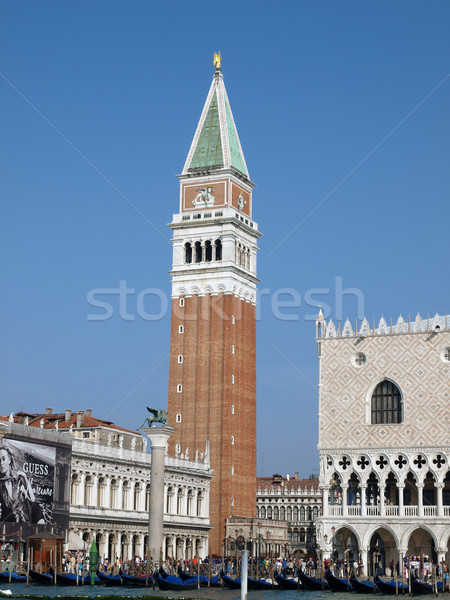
445 354
359 359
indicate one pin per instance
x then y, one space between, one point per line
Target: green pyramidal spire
216 142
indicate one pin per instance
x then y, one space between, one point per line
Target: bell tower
212 377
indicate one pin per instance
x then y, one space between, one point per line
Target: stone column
159 437
107 493
344 500
103 545
119 498
363 552
382 503
441 552
325 492
440 508
363 501
401 509
420 499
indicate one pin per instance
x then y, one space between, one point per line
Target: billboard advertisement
34 485
27 474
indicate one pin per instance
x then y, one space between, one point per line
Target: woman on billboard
17 500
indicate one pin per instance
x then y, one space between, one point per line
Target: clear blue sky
314 88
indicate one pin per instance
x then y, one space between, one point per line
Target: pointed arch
384 403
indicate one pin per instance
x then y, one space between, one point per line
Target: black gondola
43 578
388 587
214 582
71 579
260 584
419 587
313 584
287 583
176 584
15 578
136 581
109 580
363 586
229 582
338 584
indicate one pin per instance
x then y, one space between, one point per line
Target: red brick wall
208 395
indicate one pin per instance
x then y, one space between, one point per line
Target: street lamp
259 548
268 534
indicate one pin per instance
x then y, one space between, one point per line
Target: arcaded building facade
384 438
212 378
110 478
297 503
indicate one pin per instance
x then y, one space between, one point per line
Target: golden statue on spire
217 60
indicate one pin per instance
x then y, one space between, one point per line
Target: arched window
276 513
282 513
187 253
386 404
125 494
263 512
295 513
198 252
289 513
302 513
136 496
269 512
218 245
180 497
208 251
315 512
169 500
190 499
199 504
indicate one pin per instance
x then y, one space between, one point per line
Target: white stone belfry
159 437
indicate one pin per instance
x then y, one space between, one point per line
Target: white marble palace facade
384 439
110 493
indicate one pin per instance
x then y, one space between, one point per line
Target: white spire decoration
401 325
347 328
436 323
418 323
382 326
331 329
365 327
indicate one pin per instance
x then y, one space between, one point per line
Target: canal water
37 591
